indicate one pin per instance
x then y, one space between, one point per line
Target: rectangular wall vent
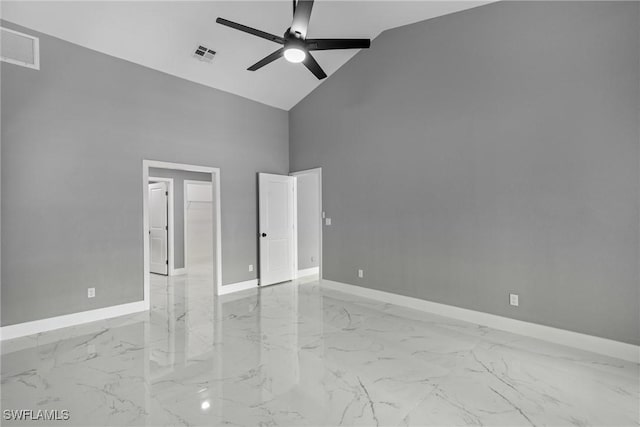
19 48
204 53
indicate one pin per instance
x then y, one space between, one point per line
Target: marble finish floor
300 354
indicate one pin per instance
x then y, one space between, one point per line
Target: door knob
264 234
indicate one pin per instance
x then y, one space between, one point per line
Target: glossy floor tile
299 354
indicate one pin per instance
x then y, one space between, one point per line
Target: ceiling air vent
204 54
19 48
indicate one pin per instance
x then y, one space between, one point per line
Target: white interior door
158 228
277 217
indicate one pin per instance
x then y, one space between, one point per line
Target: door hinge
166 227
166 193
167 262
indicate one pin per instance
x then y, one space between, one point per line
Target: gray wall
178 206
74 135
308 221
489 151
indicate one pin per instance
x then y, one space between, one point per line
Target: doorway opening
198 225
309 223
290 226
185 200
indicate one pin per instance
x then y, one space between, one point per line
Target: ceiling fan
296 46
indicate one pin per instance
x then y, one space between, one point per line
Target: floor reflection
299 354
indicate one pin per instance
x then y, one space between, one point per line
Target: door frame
215 175
187 182
317 171
171 222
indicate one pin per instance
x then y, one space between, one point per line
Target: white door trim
185 204
170 220
215 173
295 228
317 171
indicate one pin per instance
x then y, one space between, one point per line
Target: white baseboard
178 271
590 343
237 287
74 319
308 272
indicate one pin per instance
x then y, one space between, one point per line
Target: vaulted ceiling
163 35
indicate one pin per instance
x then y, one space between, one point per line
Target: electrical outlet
91 292
513 300
360 274
250 267
327 221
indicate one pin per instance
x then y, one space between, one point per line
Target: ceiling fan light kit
295 55
295 51
296 47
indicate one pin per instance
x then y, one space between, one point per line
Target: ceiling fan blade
332 44
266 60
301 17
250 30
314 67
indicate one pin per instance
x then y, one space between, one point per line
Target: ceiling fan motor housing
295 43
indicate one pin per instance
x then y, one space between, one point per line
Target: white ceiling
163 35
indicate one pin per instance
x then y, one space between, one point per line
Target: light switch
327 221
